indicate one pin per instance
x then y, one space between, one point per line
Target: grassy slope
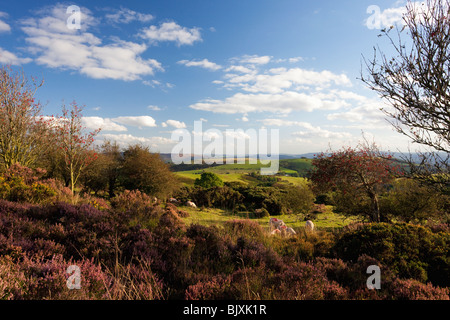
237 172
211 216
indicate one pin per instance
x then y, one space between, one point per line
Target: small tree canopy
349 170
208 180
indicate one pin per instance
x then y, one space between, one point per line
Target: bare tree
415 81
74 143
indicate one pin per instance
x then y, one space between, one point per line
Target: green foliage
208 180
22 184
409 200
145 171
410 251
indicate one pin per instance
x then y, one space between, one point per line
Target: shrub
208 180
131 201
411 251
244 228
409 200
22 184
261 213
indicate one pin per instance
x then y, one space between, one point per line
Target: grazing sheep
309 226
275 223
275 232
290 231
191 204
173 200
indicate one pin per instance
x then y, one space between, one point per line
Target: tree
350 170
24 134
411 200
103 173
73 143
416 84
208 180
147 172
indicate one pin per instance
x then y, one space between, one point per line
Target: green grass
328 220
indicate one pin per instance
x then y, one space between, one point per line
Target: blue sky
144 68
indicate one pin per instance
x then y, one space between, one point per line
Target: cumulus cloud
239 68
105 124
124 15
7 57
174 123
171 31
284 123
319 133
255 59
4 27
153 108
205 63
285 102
276 80
160 144
136 121
57 46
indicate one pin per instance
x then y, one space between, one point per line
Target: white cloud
124 15
285 102
105 124
4 27
202 63
138 121
57 46
7 57
319 133
277 80
155 143
255 59
174 123
154 108
239 68
171 31
284 123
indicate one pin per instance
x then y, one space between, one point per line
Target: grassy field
239 172
328 220
234 172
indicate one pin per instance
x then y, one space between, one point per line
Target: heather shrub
252 253
214 288
211 252
131 201
22 184
411 289
13 283
411 251
297 281
134 282
303 246
244 229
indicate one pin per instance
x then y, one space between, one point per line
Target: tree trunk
375 214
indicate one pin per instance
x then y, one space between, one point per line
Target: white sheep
191 204
309 226
275 223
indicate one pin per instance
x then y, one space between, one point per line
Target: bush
131 201
208 180
408 200
410 251
22 184
261 213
